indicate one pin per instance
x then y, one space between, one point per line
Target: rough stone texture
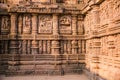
102 22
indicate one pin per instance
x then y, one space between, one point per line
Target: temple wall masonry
51 36
102 40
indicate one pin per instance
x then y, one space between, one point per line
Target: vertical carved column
35 47
74 47
34 24
55 24
6 47
80 46
13 30
55 47
55 43
74 24
24 47
20 24
34 32
74 32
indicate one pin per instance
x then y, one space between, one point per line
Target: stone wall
34 35
102 39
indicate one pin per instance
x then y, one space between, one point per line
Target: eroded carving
45 24
5 24
27 24
65 24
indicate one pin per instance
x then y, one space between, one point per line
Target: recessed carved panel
5 24
65 24
27 22
45 24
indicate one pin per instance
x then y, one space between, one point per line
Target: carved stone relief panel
45 24
65 24
5 24
27 22
80 28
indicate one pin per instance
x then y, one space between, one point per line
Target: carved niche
27 22
5 24
65 24
45 24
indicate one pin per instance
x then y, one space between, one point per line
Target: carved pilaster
34 24
74 24
13 47
35 47
55 24
55 47
20 24
13 30
74 47
55 44
24 46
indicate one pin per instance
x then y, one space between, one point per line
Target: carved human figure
27 24
5 22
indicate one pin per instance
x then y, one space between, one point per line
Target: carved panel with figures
5 24
27 22
65 24
45 24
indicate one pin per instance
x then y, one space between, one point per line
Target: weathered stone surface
58 33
